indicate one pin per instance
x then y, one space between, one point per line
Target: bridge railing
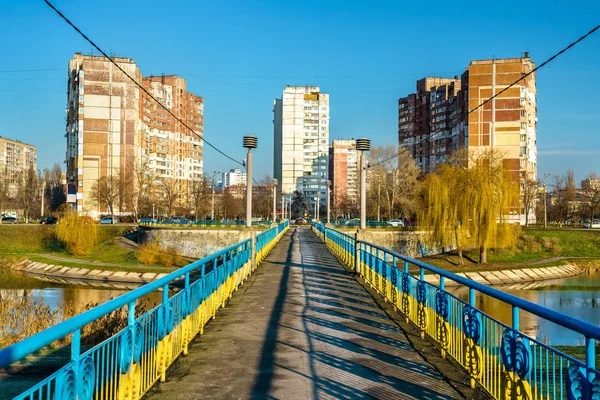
127 364
507 363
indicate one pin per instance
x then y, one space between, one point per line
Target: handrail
499 357
579 326
34 343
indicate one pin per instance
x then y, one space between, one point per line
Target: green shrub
149 253
77 234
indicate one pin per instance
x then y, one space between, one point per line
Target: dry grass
152 254
24 317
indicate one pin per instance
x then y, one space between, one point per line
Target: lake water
578 297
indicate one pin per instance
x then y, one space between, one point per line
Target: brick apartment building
343 172
435 121
114 129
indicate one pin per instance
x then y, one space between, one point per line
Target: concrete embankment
523 278
62 274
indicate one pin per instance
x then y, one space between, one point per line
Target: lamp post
282 204
250 142
212 210
318 206
328 201
315 207
363 145
545 201
43 193
275 201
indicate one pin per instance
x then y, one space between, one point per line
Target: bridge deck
303 328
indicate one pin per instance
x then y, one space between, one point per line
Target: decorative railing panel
127 364
500 358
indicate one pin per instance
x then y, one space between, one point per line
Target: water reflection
578 297
75 296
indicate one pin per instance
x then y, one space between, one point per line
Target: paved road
302 328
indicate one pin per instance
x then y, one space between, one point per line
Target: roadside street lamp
363 145
315 207
275 201
250 142
318 206
328 201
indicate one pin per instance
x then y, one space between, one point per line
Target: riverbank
61 273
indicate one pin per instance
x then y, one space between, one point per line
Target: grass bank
536 248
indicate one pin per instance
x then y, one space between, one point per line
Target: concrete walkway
302 328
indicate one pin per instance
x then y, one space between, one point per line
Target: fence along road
303 328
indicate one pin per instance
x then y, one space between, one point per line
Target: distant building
234 177
301 141
436 120
590 184
15 158
343 171
115 130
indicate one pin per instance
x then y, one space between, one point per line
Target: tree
393 179
299 204
232 206
262 202
200 199
466 203
4 189
169 187
105 193
559 198
144 184
28 192
592 195
54 193
529 195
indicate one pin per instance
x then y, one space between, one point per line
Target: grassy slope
531 248
35 240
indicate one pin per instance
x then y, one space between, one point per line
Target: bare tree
395 174
232 206
105 193
145 179
559 200
529 195
54 193
200 200
28 193
171 192
4 189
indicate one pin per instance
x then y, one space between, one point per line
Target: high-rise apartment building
15 158
436 120
301 142
171 149
343 172
234 177
114 130
508 122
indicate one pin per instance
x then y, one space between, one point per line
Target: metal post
274 200
318 206
356 254
212 210
282 204
363 145
43 195
250 142
379 200
328 201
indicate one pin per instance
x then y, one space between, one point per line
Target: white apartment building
301 142
234 177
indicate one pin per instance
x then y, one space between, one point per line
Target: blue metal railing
504 361
203 223
127 364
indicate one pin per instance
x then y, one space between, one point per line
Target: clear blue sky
239 55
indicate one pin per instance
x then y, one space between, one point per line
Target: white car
396 222
109 220
592 225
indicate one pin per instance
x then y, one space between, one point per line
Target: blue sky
239 55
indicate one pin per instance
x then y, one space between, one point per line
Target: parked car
148 220
49 221
592 225
10 220
354 222
179 221
109 220
396 222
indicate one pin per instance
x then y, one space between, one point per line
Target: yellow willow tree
467 201
445 207
494 196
